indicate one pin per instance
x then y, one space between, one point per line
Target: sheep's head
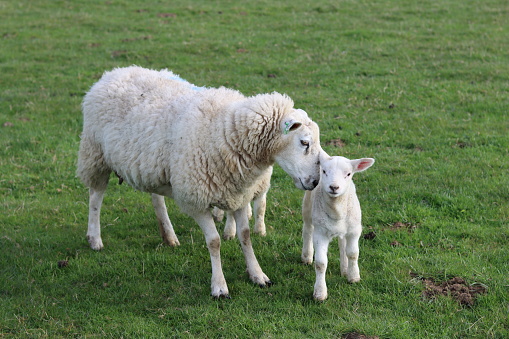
337 172
300 154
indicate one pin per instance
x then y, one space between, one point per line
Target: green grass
422 86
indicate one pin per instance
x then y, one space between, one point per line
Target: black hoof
267 284
221 296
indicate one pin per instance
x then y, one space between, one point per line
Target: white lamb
331 210
203 147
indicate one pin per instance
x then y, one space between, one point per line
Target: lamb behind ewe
331 210
203 147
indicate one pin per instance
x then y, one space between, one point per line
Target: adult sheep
203 147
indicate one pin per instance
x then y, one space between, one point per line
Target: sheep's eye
304 143
323 171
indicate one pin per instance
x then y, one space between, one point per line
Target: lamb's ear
363 164
291 125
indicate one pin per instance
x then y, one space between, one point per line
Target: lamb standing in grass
203 147
331 210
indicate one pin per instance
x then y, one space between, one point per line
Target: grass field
421 86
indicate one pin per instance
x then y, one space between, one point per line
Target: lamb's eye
349 174
304 143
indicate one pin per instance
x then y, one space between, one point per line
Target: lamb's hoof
354 280
172 242
95 243
320 297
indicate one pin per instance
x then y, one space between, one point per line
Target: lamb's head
337 172
299 155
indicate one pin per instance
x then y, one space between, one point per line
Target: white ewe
331 210
203 147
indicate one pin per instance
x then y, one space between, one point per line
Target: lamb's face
337 172
300 155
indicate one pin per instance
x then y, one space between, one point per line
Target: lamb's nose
333 188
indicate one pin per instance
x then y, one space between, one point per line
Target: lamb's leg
165 226
253 268
352 253
343 259
260 204
229 226
218 283
94 218
307 230
321 243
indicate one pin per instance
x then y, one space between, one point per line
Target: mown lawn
422 87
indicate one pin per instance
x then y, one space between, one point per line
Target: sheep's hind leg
343 259
213 240
253 267
94 218
229 226
307 230
260 205
165 226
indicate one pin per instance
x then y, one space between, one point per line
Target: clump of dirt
370 235
457 288
336 143
355 335
404 225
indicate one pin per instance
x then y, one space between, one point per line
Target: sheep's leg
260 204
218 214
229 226
253 267
94 218
352 253
165 226
307 230
213 240
343 259
321 243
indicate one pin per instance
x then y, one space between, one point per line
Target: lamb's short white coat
331 210
203 147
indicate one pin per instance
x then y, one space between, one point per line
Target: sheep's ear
323 157
363 164
291 125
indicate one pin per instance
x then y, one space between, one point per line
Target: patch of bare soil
404 225
355 335
456 288
336 143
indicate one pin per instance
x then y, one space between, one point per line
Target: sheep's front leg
253 268
352 253
321 243
94 218
218 283
307 230
165 226
260 205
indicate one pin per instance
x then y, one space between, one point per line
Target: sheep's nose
315 183
333 188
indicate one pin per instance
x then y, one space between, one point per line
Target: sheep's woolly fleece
202 146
